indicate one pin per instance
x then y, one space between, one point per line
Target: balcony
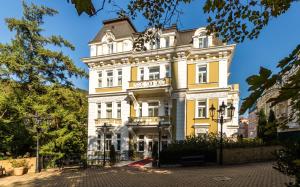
149 121
112 121
158 87
150 83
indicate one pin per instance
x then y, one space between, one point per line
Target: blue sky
276 41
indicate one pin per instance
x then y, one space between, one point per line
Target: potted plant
19 166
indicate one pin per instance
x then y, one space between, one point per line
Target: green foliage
19 163
84 6
262 123
206 145
112 155
286 81
238 20
35 80
232 20
271 127
287 160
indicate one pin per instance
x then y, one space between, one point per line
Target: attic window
203 40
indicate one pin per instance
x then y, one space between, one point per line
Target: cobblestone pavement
257 175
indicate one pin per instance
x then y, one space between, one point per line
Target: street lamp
220 119
104 127
38 120
159 140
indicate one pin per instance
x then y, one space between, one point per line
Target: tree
271 127
36 80
262 123
286 81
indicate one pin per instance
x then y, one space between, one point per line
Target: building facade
243 127
164 92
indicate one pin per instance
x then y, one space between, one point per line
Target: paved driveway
258 174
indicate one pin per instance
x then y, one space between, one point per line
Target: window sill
109 87
201 118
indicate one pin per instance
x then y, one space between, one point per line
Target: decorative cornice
181 53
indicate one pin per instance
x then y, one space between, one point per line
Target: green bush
192 146
206 145
288 160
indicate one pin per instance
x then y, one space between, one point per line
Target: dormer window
110 48
167 41
200 39
203 41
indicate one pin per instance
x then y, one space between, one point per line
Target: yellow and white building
173 82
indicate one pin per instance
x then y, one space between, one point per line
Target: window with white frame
167 41
142 74
108 141
109 110
201 109
203 41
168 71
141 143
118 148
154 73
119 110
110 48
99 110
110 78
229 103
202 73
119 77
99 79
153 109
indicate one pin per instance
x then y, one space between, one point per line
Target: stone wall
249 154
9 170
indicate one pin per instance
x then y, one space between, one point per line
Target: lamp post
159 140
220 119
38 120
104 127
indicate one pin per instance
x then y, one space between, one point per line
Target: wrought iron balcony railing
149 120
150 83
112 121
